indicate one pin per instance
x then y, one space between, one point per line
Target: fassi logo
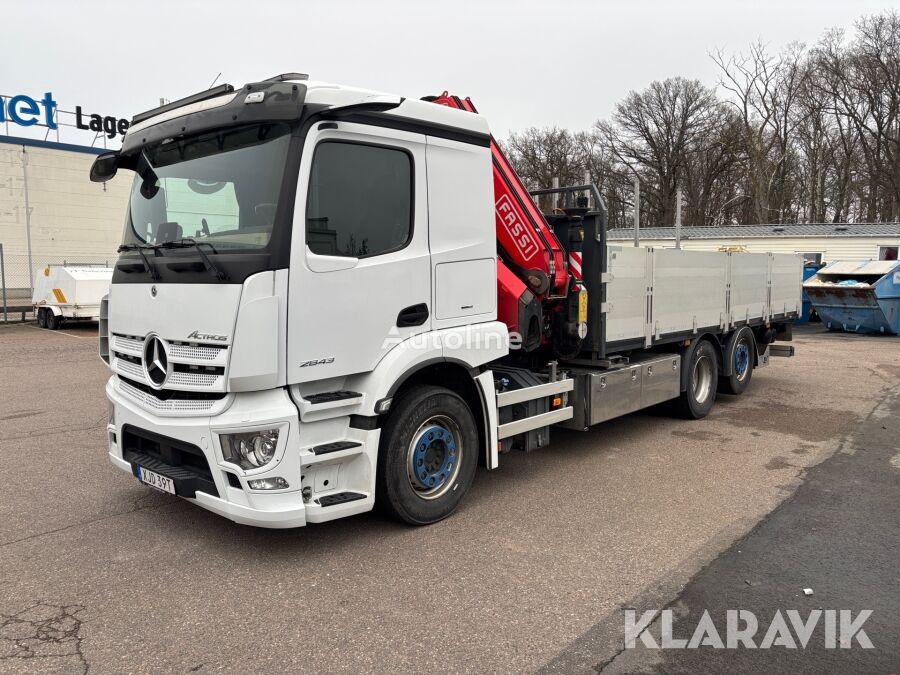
515 228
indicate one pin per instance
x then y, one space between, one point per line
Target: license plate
154 480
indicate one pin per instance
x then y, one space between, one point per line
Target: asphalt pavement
101 574
832 547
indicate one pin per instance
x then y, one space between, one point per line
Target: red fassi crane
533 276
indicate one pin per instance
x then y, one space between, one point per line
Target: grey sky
523 63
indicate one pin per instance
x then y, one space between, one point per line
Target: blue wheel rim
434 456
741 359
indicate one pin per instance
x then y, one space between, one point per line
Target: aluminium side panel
614 393
626 292
689 290
786 284
660 379
748 292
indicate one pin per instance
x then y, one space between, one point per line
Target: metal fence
17 279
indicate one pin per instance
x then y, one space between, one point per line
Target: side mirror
105 167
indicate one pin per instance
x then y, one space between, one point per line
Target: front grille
184 463
193 379
173 401
127 344
129 367
169 394
194 352
195 367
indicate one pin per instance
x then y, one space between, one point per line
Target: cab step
332 396
326 404
326 448
339 498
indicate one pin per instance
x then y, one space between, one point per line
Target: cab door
360 278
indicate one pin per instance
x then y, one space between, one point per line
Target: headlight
250 450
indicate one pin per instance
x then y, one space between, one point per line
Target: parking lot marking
62 332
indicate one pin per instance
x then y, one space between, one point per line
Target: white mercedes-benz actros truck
329 298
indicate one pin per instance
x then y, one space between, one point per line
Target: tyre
52 320
42 317
427 456
702 376
741 348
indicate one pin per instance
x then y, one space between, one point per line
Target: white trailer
330 298
69 293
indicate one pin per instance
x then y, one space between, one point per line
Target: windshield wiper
140 248
187 242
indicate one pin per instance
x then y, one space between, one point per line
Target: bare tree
862 81
763 90
805 135
654 133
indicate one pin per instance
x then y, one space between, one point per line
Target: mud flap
485 383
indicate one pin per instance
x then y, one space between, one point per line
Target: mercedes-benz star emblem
156 361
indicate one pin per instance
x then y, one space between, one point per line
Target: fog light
276 483
112 413
250 450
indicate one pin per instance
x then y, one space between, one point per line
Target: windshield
220 187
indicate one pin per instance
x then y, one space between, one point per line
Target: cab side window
360 200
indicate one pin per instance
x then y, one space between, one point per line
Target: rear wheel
741 352
702 376
427 456
42 317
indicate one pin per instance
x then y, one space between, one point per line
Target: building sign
108 124
24 110
27 111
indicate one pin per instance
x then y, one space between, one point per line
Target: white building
69 215
817 242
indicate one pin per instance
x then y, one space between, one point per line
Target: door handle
415 315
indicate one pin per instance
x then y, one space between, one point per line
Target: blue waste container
808 271
858 297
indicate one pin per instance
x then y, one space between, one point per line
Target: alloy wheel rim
433 457
701 379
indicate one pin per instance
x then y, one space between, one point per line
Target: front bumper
248 411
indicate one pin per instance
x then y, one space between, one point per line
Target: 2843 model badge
317 362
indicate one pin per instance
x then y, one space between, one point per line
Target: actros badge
197 335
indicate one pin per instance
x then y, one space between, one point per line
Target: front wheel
702 376
52 320
427 456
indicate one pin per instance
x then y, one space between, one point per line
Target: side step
332 396
534 422
326 448
526 395
314 407
339 498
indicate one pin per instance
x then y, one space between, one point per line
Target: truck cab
294 252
